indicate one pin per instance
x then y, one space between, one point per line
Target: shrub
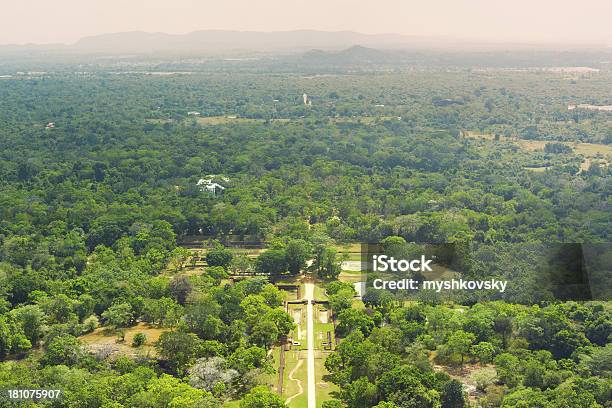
139 340
90 324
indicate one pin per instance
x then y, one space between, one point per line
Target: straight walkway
312 402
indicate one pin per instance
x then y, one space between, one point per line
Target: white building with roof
209 186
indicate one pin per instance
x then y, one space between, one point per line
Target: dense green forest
101 185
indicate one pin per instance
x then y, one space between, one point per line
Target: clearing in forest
102 340
590 151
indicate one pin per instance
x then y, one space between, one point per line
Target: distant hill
356 54
221 40
309 50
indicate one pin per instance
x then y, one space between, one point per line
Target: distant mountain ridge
310 49
222 40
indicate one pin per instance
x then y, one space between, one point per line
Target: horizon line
601 43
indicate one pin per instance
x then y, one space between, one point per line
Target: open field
465 376
319 293
366 120
99 339
224 120
589 151
350 276
295 378
324 389
158 121
540 169
349 252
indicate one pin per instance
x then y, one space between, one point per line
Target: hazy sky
47 21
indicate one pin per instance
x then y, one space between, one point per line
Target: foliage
139 339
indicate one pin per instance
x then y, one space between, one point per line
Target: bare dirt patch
102 341
465 377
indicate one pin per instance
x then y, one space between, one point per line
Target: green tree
244 359
334 403
170 392
565 342
526 397
63 349
281 319
260 397
485 351
219 257
119 315
297 253
460 343
32 320
360 393
272 295
341 300
507 367
273 261
179 349
328 264
452 395
12 338
351 319
264 333
503 326
404 386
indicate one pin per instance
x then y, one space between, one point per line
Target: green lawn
319 293
290 386
350 276
324 388
231 404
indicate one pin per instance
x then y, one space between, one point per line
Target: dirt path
312 403
299 383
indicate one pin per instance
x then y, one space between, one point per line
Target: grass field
537 169
231 404
349 252
99 339
224 120
366 120
324 389
589 151
158 121
295 379
350 276
319 293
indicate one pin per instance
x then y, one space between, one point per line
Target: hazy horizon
519 21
